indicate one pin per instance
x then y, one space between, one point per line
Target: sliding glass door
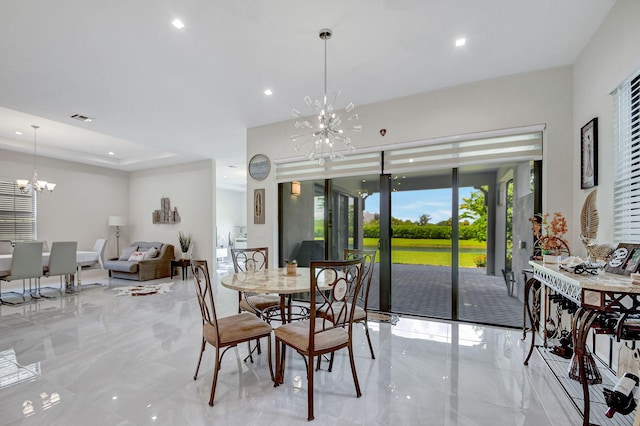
448 238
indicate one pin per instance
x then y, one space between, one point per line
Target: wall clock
259 166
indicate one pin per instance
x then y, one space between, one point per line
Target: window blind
17 213
626 192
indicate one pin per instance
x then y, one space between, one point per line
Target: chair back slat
204 292
250 259
26 261
62 258
343 279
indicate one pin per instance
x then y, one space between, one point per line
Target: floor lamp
117 221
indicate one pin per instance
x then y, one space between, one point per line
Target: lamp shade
117 221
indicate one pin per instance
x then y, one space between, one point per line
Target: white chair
6 247
26 264
62 261
100 246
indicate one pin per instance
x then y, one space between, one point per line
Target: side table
183 263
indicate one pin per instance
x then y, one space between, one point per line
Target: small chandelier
24 185
325 136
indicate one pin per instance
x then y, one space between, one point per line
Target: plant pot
551 258
292 269
185 255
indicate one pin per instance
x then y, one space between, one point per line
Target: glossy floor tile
97 358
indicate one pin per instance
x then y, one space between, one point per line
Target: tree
424 219
475 209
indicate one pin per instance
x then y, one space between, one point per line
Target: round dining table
273 281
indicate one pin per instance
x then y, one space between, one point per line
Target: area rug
383 317
144 290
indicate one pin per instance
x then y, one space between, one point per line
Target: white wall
542 97
231 211
611 57
84 198
189 187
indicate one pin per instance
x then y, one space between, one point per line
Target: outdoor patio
424 290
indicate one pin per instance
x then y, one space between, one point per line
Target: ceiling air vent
81 117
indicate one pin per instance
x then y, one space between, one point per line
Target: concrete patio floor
425 290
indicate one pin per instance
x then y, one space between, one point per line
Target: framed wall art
258 206
589 154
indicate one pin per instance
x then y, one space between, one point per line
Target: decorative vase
292 269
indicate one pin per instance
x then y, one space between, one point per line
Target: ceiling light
81 117
24 185
324 134
461 42
112 153
177 23
268 92
19 133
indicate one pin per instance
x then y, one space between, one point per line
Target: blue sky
410 205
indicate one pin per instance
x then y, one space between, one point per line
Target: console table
593 294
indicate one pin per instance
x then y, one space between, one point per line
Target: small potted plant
185 243
292 266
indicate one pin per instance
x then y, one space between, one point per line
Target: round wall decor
259 166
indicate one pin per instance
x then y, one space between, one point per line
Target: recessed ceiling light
461 42
112 153
268 92
177 23
19 133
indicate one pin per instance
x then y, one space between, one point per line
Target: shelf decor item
185 244
292 267
550 244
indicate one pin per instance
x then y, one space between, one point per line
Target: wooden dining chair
252 260
62 262
26 264
334 286
362 300
223 333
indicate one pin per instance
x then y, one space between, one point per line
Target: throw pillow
127 252
137 256
153 252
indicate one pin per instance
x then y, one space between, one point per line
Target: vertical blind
626 191
17 213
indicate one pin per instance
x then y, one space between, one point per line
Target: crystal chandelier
324 136
24 185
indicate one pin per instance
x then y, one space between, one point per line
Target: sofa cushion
121 266
152 253
145 245
137 256
127 252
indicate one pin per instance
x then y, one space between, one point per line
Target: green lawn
437 258
423 243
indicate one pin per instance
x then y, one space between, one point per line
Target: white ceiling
160 96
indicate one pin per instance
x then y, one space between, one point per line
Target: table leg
581 324
184 273
532 307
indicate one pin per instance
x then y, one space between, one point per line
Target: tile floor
96 358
